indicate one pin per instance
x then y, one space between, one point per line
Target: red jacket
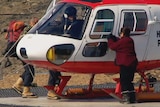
125 51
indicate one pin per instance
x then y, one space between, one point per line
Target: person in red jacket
127 61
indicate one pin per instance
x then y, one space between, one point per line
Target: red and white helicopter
87 51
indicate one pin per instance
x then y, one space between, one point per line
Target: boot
132 97
18 86
125 98
27 94
52 95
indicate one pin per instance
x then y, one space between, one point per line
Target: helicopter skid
78 92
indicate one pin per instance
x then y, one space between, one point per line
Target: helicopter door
100 25
153 48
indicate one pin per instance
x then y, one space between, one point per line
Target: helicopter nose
23 53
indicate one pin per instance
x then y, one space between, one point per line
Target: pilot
69 19
72 26
68 25
127 61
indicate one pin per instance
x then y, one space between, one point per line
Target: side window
103 24
95 49
142 21
135 20
129 20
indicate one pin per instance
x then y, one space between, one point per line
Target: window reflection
129 20
103 24
96 49
136 20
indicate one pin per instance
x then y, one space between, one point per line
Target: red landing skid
72 93
143 92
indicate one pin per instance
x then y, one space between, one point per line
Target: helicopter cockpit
57 21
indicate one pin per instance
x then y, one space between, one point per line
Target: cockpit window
67 20
103 24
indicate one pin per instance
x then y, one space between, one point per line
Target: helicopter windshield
65 19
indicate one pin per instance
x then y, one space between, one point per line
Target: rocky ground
24 10
18 10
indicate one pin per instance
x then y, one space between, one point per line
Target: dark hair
126 31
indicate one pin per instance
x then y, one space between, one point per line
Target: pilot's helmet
71 11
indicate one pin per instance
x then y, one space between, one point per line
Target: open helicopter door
102 22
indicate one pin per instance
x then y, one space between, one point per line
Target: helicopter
87 51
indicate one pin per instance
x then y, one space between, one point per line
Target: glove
112 37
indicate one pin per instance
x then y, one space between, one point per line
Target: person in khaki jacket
24 82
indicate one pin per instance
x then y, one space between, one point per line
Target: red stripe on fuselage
93 67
